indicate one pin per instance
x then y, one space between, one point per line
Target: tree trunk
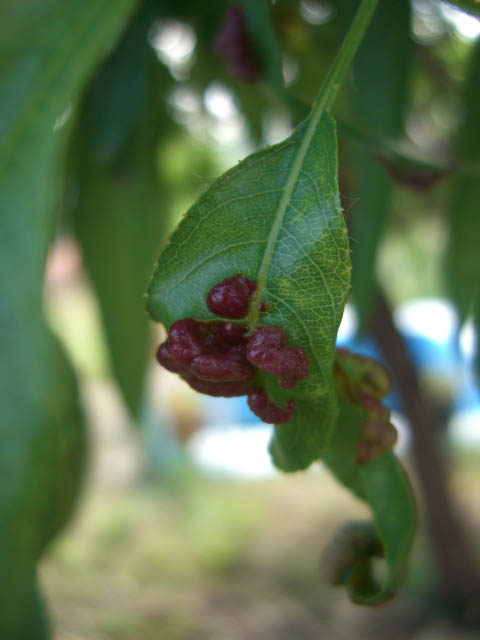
459 581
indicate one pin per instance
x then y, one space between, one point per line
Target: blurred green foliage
109 132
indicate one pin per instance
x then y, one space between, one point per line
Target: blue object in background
430 331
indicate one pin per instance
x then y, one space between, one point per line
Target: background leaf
463 266
381 72
383 485
284 230
120 212
259 23
41 429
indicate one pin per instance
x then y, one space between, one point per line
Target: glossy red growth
219 358
265 345
217 389
233 334
165 359
220 368
261 405
231 298
268 350
209 356
185 341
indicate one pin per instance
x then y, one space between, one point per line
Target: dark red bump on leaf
185 341
265 345
267 349
231 297
218 389
234 334
220 368
292 367
261 405
164 358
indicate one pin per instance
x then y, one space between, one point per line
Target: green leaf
463 269
390 497
383 485
381 71
340 456
47 51
260 29
41 464
120 212
276 219
462 265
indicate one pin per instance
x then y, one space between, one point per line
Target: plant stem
344 57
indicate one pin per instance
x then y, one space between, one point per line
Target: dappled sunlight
174 43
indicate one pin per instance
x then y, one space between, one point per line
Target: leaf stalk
329 89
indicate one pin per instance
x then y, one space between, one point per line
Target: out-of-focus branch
458 576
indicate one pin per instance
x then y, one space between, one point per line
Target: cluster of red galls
371 384
221 358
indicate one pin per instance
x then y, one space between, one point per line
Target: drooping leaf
463 267
381 71
41 462
120 214
341 454
276 219
390 497
383 485
47 51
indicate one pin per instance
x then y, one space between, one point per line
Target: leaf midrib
315 116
